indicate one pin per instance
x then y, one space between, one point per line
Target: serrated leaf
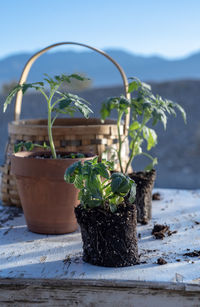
10 96
65 103
183 113
134 126
133 86
94 203
150 166
119 183
78 77
29 146
80 155
132 194
113 207
18 147
70 172
78 182
102 171
150 136
94 186
83 108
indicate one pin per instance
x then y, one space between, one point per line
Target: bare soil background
178 148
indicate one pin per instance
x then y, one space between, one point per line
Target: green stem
50 124
147 155
51 143
120 142
53 120
43 93
132 151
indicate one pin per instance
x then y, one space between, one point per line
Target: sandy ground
178 150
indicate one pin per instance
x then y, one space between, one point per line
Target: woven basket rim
71 122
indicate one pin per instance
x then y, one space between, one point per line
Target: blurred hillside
178 150
99 69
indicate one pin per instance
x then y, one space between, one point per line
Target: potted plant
145 108
48 202
106 214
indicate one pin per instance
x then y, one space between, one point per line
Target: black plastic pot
145 183
109 239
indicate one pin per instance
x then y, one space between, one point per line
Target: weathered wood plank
93 293
45 270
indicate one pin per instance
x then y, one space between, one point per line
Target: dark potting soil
60 155
195 253
109 239
156 196
160 231
145 183
161 261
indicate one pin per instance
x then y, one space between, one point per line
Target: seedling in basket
64 102
29 146
144 108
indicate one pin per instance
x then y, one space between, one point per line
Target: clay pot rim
32 155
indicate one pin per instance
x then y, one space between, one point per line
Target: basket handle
28 65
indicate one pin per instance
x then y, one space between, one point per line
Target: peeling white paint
29 255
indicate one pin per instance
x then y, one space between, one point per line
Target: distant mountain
99 69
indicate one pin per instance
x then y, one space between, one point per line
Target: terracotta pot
47 200
145 183
109 239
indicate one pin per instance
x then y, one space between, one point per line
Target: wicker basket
70 134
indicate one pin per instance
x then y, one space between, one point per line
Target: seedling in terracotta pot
106 214
145 108
65 103
48 202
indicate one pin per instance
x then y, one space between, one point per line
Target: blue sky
169 28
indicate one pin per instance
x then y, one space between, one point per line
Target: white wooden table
47 270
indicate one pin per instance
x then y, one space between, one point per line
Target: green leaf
26 86
132 194
29 146
105 111
78 182
150 136
102 170
183 113
94 161
62 78
80 155
94 186
78 77
133 86
94 203
70 103
9 98
18 147
83 108
136 145
134 126
65 103
71 171
121 104
120 183
150 166
113 207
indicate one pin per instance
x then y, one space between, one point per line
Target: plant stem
51 143
132 151
120 142
147 155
